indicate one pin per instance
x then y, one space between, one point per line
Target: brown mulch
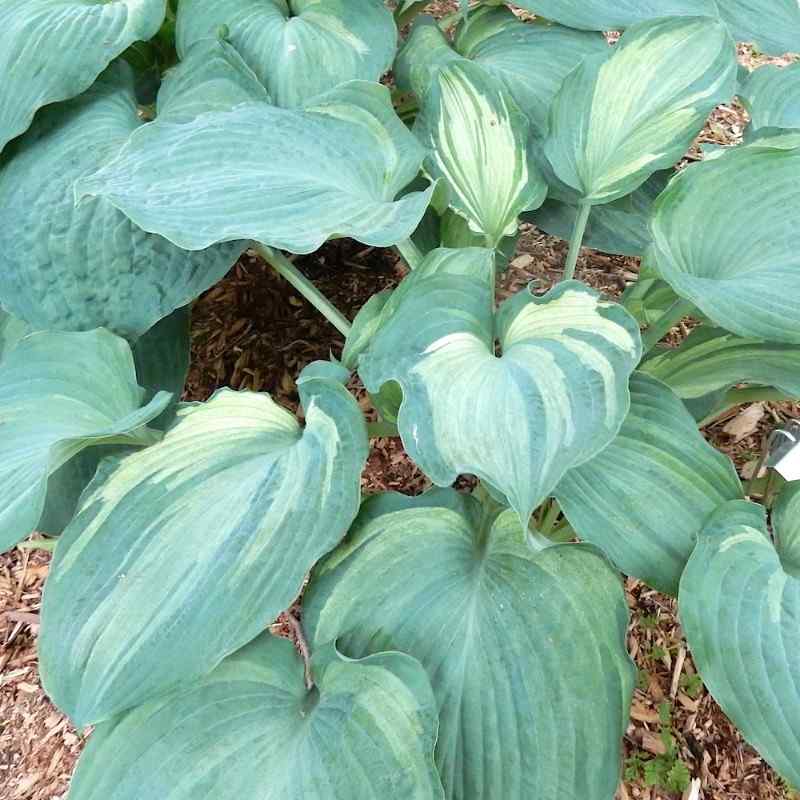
252 331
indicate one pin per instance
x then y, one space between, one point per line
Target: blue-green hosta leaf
250 729
556 396
52 50
611 15
786 523
182 553
739 605
621 227
478 142
711 359
11 331
771 95
78 268
287 178
645 498
774 25
298 48
620 117
528 60
734 253
525 648
59 394
649 296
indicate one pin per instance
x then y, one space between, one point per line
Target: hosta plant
458 644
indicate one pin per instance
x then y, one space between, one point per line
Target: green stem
382 428
549 521
289 272
410 13
410 253
39 544
578 230
665 323
740 397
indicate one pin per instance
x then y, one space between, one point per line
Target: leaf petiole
665 323
575 243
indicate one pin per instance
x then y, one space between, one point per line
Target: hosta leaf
59 394
711 359
621 227
528 60
287 178
52 50
771 95
774 25
479 146
645 498
250 729
647 298
620 117
525 648
786 524
298 48
78 268
739 604
556 397
183 552
11 331
733 253
606 15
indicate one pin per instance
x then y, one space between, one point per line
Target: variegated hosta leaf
609 15
250 729
52 50
739 605
734 253
298 48
645 498
478 142
621 227
711 359
287 178
556 396
528 60
59 394
771 95
182 553
78 268
525 647
620 117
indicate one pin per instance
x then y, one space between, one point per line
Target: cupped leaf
287 178
739 605
647 496
59 394
478 141
556 396
250 729
608 15
711 359
78 268
621 227
525 647
620 117
733 253
771 95
52 50
182 553
298 48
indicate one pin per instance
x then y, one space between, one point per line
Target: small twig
302 643
676 673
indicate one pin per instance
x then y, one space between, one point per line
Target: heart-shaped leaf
52 50
287 178
478 143
771 96
621 227
733 253
78 268
711 359
528 60
59 394
555 398
250 729
739 605
525 648
298 48
182 553
645 498
620 117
